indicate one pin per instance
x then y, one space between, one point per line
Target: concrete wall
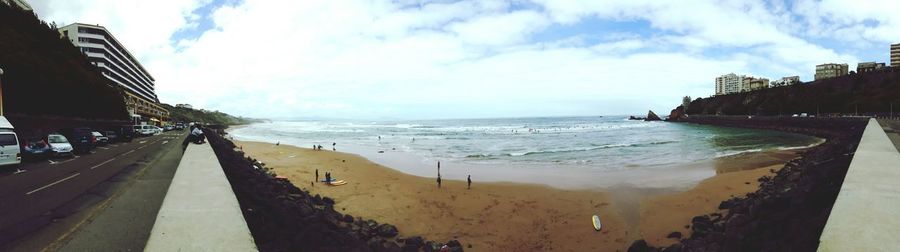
200 211
866 214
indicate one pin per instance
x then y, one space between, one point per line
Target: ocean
568 152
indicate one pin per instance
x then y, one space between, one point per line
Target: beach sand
508 216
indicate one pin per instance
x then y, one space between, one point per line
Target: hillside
867 93
177 114
46 75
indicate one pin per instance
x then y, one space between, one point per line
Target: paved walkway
892 129
200 212
865 216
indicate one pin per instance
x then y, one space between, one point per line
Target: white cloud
466 58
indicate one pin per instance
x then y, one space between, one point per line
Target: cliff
45 75
864 94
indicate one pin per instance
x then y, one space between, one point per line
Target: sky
406 59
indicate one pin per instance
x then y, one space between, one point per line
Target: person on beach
317 174
469 179
439 180
332 147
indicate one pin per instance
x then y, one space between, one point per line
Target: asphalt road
105 200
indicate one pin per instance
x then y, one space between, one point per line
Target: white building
786 81
729 84
895 55
119 66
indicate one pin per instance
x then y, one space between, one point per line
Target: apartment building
865 67
786 81
118 65
751 83
729 84
895 55
831 70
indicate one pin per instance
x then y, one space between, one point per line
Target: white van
10 154
144 130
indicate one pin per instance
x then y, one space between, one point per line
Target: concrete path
200 212
866 214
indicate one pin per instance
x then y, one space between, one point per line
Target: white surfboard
596 220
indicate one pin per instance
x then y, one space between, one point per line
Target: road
62 204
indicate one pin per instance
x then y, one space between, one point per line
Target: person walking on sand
469 179
317 174
439 180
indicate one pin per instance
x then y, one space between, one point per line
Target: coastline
518 216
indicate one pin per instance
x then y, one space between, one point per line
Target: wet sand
499 216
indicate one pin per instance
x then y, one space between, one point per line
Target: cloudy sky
463 59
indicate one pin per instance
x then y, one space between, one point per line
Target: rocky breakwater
790 208
283 217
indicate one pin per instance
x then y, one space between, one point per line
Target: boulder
387 230
675 235
652 117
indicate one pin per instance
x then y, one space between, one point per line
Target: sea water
559 151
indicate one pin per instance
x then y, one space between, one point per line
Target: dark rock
675 235
387 230
640 246
652 116
454 243
415 241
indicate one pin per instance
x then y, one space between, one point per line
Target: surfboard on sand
596 220
337 183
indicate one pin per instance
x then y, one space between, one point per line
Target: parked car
10 154
126 133
111 135
81 139
158 130
144 130
35 148
169 128
59 145
99 139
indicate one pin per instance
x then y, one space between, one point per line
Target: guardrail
865 215
200 211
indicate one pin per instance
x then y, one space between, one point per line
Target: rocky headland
789 210
282 217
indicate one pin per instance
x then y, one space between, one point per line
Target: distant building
184 105
728 84
120 67
865 67
895 55
22 4
786 81
751 83
831 70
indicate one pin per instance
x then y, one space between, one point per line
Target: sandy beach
512 216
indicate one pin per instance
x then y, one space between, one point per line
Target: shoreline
492 215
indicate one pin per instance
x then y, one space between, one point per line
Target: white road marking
165 142
126 153
64 161
141 142
51 184
141 147
104 162
103 148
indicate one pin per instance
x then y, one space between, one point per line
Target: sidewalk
865 216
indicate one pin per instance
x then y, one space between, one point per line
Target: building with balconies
895 55
117 64
865 67
831 70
